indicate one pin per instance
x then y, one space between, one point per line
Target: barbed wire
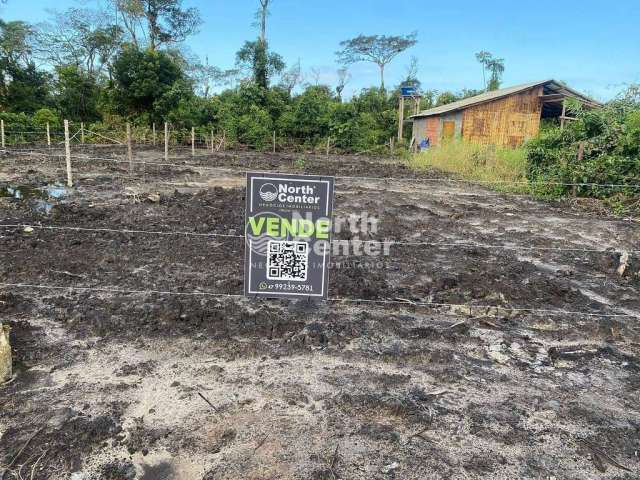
470 307
391 242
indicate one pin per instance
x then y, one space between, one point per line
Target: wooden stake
154 134
48 135
129 148
224 137
391 140
2 131
564 113
166 142
193 141
274 141
401 119
581 145
67 150
581 151
328 145
82 133
212 140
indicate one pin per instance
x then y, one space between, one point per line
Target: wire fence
390 242
158 162
202 137
203 147
467 309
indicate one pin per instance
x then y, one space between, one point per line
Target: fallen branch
33 467
20 452
596 451
208 402
264 439
333 463
455 325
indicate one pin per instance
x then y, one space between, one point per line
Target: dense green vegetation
601 147
93 67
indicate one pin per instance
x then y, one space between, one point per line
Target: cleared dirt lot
139 378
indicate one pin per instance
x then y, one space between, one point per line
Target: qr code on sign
288 261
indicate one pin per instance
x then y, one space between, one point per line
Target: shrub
609 139
255 128
44 116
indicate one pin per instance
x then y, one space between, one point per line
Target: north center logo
268 192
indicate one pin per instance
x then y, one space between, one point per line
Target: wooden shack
505 117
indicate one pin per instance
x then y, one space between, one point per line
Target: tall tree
206 76
483 57
261 17
343 78
495 66
314 74
141 79
77 93
412 70
292 77
256 58
23 88
378 49
157 22
87 39
16 41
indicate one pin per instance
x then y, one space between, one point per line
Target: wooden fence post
212 140
67 150
82 133
166 142
274 141
581 145
391 145
401 119
328 145
224 136
193 141
129 148
2 131
48 136
154 134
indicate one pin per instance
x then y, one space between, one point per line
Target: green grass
500 168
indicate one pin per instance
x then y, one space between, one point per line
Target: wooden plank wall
507 121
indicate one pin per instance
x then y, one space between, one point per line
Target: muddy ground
138 379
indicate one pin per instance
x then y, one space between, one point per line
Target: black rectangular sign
288 225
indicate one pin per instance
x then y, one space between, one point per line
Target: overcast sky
593 45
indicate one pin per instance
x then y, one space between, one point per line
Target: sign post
288 227
407 92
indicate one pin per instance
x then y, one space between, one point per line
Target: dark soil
114 382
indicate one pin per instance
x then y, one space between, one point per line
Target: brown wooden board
508 121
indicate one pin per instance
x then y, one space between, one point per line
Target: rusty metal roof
551 87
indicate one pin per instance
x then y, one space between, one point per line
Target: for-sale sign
288 235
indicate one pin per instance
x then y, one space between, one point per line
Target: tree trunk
263 20
382 77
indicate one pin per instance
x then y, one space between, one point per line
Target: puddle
40 197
